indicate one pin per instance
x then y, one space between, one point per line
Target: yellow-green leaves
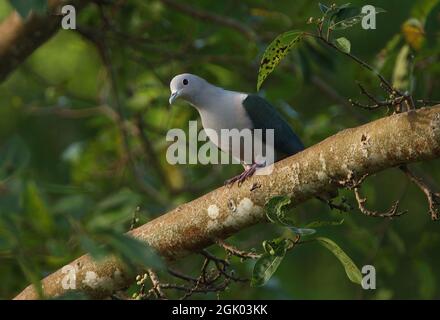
351 269
275 52
403 69
343 44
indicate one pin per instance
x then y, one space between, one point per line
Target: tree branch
388 142
20 37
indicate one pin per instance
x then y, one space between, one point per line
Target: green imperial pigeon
223 109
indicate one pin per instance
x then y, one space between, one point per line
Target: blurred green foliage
82 140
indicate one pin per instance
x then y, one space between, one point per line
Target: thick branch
20 37
388 142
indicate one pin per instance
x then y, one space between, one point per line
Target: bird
224 109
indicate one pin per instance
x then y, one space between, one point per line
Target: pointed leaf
264 268
351 269
275 52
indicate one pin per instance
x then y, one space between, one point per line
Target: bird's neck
206 100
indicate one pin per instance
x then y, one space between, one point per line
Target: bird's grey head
186 86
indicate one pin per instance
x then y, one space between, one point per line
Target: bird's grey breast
224 111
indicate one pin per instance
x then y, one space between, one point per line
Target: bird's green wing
264 116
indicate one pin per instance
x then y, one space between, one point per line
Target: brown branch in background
432 197
231 250
354 184
385 143
211 18
391 213
156 284
20 37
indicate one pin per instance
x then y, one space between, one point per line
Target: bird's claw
243 176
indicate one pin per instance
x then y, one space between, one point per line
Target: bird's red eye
185 82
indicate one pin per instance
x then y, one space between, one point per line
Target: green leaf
351 269
347 16
275 208
343 44
275 52
276 213
319 224
264 268
24 7
276 247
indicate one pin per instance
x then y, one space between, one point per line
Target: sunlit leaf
275 52
413 32
351 269
343 44
402 69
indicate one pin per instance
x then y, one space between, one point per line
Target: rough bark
388 142
20 37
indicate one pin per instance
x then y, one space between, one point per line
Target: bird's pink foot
248 172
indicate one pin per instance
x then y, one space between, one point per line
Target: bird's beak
173 97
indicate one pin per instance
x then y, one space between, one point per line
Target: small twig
391 213
432 197
156 284
428 102
237 252
182 276
354 184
